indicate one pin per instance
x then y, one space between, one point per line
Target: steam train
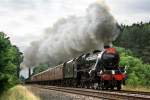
98 70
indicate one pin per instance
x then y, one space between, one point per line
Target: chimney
106 46
29 72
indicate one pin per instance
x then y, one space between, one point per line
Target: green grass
18 92
137 88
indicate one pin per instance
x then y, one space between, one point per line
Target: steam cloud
70 37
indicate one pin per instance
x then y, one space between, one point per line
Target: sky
25 20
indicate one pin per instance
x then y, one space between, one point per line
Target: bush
138 72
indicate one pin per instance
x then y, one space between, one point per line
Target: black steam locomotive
99 70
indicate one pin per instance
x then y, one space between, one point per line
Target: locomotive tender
99 70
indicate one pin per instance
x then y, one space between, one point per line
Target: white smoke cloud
72 36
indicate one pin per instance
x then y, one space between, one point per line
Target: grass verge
136 88
18 92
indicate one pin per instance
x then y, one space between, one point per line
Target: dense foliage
138 72
40 68
136 38
10 59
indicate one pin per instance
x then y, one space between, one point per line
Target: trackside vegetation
138 72
10 59
19 92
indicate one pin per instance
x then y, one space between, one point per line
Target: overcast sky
24 20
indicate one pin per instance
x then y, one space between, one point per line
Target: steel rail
116 95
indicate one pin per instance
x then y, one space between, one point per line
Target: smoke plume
70 37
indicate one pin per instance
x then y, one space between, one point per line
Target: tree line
136 38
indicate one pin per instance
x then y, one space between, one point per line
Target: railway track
110 95
134 92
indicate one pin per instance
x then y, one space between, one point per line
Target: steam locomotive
97 70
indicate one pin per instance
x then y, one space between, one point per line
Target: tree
10 59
